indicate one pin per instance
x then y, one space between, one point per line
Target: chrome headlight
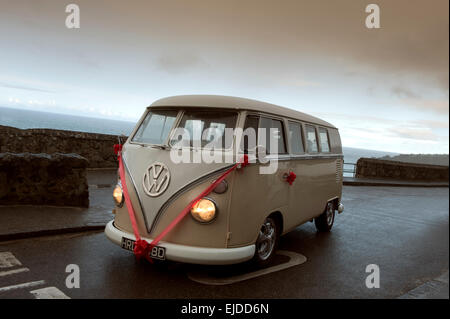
118 195
204 210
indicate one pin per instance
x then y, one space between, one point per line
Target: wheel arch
334 200
278 216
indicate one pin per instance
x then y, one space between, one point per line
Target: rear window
206 129
156 127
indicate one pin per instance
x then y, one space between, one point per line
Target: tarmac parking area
403 231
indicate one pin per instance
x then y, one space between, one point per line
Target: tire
267 242
324 222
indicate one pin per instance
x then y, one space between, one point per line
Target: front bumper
189 254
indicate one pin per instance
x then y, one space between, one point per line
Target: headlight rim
216 212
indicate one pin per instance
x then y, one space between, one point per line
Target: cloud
301 83
402 92
355 118
23 87
432 124
380 129
412 41
179 63
436 106
413 133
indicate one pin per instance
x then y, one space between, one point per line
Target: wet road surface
405 231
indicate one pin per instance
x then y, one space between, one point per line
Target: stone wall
42 179
385 169
98 149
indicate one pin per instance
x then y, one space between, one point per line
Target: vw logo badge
156 179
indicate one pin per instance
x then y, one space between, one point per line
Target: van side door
256 195
300 194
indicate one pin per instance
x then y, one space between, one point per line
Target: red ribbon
117 149
142 247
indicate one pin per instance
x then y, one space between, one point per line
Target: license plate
157 252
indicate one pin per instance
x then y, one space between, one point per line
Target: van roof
237 103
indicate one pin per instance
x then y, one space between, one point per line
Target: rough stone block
43 179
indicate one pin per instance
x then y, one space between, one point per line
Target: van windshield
206 129
156 127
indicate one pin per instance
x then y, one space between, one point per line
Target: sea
25 119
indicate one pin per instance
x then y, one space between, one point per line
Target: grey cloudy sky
384 88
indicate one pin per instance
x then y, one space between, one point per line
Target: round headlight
118 195
204 211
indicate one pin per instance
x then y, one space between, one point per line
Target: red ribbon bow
141 248
290 178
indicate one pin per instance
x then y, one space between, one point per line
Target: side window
323 136
295 138
311 139
278 131
250 134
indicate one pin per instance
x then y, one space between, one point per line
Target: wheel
267 242
325 221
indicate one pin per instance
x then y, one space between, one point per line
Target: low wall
42 179
98 149
385 169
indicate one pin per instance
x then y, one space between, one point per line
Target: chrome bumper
189 254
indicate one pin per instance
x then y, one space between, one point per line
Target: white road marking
295 259
12 272
49 293
24 285
8 260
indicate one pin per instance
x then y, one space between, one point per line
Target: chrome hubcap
330 214
266 239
